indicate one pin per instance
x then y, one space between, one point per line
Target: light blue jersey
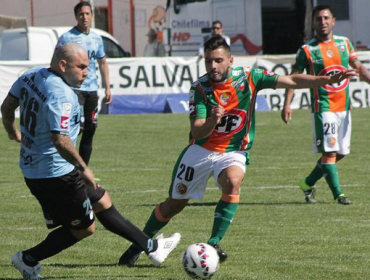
47 104
93 44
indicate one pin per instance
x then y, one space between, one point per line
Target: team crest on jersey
330 53
64 122
269 73
224 98
231 123
331 70
181 188
331 141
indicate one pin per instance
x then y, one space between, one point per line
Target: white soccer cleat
165 247
28 272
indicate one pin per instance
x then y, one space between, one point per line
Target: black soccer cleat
221 254
343 199
130 256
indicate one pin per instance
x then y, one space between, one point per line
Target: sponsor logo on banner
64 122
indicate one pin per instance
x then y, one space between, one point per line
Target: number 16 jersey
47 104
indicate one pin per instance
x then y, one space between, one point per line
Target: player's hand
16 136
88 176
342 75
108 96
286 114
217 112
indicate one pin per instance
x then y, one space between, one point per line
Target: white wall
60 13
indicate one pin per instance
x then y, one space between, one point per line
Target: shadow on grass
97 265
72 266
207 204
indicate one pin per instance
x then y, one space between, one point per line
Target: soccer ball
200 261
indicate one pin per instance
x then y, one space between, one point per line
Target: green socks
153 225
315 175
224 215
331 176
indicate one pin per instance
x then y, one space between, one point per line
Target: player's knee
83 233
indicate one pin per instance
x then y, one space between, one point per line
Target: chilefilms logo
231 123
331 70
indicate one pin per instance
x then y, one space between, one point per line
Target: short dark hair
78 7
217 22
216 42
320 8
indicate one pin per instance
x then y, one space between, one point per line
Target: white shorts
196 165
332 132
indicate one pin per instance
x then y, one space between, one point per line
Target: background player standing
222 106
88 92
326 54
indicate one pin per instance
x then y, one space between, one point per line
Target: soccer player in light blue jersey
88 92
52 168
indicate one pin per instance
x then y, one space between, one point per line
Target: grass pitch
275 234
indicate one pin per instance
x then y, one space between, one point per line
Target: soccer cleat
342 199
28 272
130 256
221 254
309 192
165 247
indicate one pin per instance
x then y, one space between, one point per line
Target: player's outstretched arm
310 81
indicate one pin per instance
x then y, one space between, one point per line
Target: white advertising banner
151 82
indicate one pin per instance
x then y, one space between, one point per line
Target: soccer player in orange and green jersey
326 54
222 107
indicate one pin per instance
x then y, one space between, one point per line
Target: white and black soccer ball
200 261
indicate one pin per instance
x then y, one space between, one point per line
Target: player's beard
223 76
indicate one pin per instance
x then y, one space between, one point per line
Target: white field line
215 188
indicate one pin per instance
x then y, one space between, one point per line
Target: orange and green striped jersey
238 96
326 58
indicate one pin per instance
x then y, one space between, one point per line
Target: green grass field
275 234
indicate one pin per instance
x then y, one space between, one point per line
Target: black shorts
89 103
64 200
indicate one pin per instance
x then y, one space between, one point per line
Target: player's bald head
70 61
68 52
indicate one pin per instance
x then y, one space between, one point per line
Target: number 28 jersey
238 96
326 58
47 104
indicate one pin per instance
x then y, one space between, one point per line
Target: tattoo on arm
67 150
